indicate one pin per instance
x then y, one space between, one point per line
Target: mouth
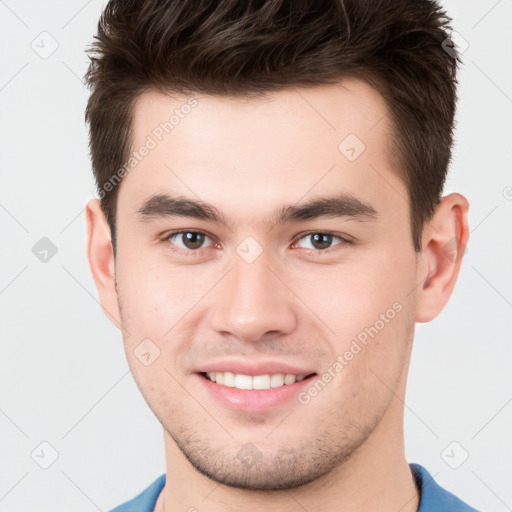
254 393
254 382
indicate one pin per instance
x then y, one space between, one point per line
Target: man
270 228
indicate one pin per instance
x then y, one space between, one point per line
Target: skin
344 450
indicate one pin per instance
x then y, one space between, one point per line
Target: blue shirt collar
433 498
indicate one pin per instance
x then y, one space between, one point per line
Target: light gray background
63 371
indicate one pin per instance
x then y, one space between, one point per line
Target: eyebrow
338 206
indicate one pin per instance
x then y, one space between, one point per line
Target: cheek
144 300
352 296
160 302
368 363
369 312
153 293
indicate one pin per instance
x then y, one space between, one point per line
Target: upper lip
253 368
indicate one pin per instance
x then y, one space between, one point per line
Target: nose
254 302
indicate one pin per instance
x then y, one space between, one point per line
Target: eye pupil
322 244
193 240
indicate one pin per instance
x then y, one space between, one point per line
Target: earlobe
444 243
101 260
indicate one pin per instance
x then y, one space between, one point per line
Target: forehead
350 106
251 155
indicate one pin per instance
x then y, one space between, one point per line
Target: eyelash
315 252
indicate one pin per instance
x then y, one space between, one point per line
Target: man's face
261 298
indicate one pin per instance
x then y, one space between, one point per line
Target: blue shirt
433 498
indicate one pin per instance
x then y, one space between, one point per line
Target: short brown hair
251 47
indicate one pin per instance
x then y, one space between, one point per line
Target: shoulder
433 497
145 501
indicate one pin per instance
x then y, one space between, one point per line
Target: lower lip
253 400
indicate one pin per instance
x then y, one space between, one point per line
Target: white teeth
266 381
261 382
289 379
229 379
277 380
243 382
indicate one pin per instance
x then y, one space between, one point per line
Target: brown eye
321 241
190 240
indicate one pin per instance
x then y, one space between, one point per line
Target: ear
101 260
444 243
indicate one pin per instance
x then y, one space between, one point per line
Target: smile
248 382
